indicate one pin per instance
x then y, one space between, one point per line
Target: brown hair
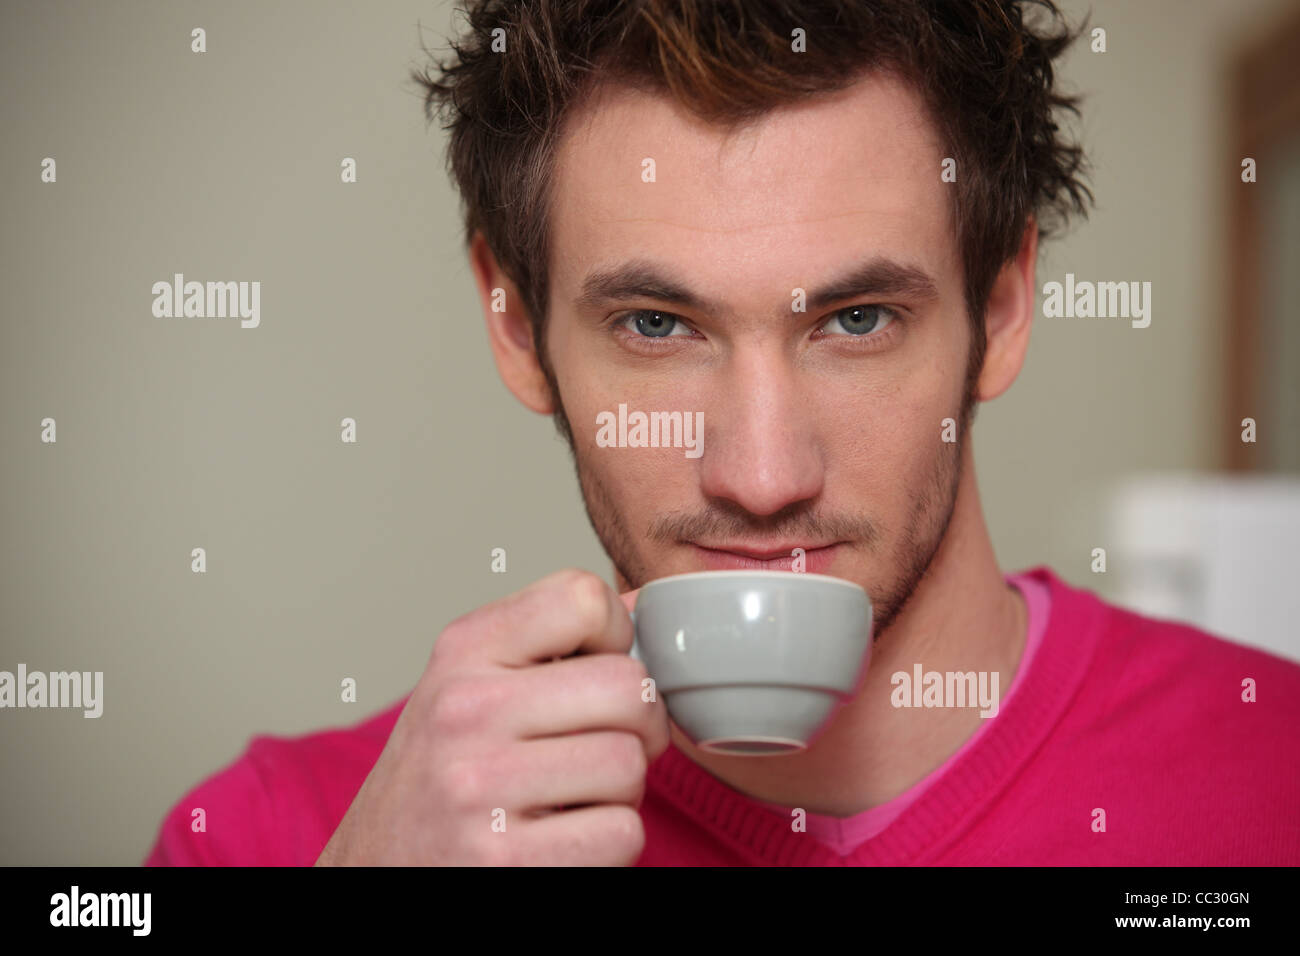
985 75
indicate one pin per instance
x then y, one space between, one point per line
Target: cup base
752 746
750 720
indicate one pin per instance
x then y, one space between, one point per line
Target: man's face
822 428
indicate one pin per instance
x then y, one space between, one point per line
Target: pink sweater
845 834
1109 711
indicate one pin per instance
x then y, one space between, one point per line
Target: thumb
629 598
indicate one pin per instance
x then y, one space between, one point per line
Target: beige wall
1099 400
327 560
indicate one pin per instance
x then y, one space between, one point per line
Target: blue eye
862 319
654 325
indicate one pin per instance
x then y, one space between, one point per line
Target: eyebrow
642 279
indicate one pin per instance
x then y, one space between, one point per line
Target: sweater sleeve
236 825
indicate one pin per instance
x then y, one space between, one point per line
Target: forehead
799 193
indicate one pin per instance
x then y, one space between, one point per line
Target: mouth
740 557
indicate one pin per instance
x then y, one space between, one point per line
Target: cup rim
740 572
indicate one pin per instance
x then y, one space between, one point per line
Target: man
815 223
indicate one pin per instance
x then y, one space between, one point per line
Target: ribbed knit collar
941 814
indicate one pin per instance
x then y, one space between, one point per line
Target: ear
509 331
1008 319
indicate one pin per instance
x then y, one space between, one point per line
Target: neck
963 616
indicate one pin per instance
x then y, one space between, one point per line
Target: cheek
640 484
640 481
883 431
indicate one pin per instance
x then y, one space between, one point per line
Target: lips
747 558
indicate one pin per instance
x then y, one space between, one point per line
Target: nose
762 450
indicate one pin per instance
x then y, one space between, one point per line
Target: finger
562 614
590 692
610 834
604 766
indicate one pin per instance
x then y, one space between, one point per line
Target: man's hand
504 755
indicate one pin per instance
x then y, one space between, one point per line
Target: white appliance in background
1217 551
